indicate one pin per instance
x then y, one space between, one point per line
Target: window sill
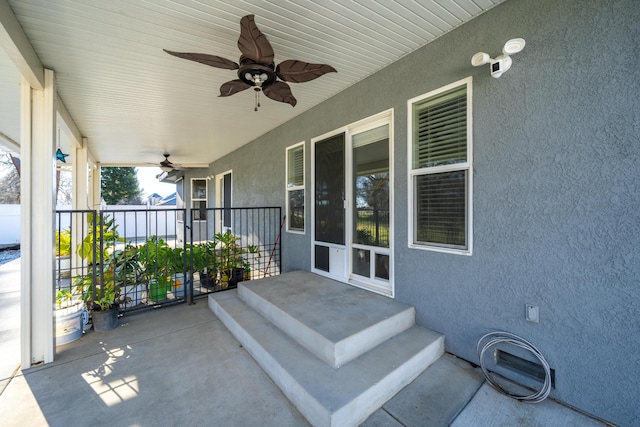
467 252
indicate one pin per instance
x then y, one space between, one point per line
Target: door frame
219 221
383 287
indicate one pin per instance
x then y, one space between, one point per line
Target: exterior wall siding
556 190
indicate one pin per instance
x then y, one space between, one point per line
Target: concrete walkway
9 321
180 366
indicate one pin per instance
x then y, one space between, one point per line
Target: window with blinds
295 188
440 169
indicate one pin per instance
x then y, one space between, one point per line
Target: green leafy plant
232 263
100 286
63 243
160 263
230 252
201 259
64 299
107 232
124 266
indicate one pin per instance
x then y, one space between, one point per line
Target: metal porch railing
149 258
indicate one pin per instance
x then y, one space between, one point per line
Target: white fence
9 224
141 221
136 221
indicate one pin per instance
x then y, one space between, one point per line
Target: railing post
94 249
280 240
188 292
101 234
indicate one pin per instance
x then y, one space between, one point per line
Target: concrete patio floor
180 366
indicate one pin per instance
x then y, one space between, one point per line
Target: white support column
80 178
79 194
25 226
38 129
96 194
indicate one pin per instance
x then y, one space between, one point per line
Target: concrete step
433 399
334 321
327 396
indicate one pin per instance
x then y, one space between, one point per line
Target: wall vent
524 367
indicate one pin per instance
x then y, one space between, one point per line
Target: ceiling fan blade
203 58
252 43
167 164
232 87
281 92
295 71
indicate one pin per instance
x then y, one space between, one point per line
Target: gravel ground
8 255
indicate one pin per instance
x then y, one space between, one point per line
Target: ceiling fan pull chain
257 100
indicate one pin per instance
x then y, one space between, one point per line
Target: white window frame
466 166
204 199
295 187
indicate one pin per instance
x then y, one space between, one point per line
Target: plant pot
131 295
234 276
70 323
177 285
207 280
105 321
63 263
158 291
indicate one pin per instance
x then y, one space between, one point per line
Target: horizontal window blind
295 167
441 208
440 129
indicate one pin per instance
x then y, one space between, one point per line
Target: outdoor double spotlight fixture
502 63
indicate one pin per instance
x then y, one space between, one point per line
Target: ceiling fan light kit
502 63
257 69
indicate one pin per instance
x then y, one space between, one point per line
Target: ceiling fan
257 68
168 166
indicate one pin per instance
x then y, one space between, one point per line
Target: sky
149 184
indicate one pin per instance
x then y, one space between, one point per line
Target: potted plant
127 272
99 288
70 317
100 294
204 262
105 310
160 265
178 266
231 261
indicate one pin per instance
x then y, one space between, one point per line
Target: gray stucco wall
556 169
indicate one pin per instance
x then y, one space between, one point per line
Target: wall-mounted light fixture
502 63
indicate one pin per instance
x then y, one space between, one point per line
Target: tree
373 190
64 186
9 180
119 186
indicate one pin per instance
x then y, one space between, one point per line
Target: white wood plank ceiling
134 102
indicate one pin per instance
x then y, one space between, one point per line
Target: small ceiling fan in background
257 68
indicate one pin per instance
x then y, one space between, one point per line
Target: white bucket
132 295
177 285
70 323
